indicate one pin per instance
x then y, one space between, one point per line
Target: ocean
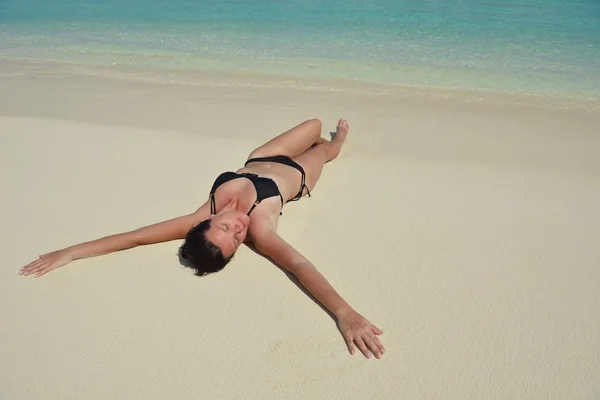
547 47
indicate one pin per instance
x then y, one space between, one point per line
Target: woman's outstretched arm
165 231
355 328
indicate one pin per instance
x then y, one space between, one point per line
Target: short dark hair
202 255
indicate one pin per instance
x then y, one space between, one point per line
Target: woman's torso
287 179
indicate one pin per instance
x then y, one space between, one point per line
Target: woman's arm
354 327
172 229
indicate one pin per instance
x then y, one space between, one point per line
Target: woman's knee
315 123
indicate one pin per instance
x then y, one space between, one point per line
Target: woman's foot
342 130
335 145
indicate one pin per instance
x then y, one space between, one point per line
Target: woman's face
228 231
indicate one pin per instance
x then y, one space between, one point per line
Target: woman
244 206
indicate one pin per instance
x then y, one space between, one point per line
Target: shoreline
256 80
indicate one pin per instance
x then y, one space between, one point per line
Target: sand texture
468 231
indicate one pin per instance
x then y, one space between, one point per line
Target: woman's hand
357 330
46 263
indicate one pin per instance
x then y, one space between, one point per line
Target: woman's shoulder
261 225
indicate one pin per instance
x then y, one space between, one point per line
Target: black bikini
265 187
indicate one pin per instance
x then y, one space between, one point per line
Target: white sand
468 232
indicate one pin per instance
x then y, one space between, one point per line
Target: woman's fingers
376 330
29 268
377 343
350 344
43 268
35 263
35 266
361 345
34 270
42 272
367 343
47 263
32 264
372 346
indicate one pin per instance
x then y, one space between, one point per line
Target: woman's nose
238 227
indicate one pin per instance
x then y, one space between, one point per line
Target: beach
463 224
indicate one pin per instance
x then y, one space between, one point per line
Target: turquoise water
550 46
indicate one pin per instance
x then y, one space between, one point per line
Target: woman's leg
291 143
313 160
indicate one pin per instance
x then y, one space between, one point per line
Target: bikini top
265 188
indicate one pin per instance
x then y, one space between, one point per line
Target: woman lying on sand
247 210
